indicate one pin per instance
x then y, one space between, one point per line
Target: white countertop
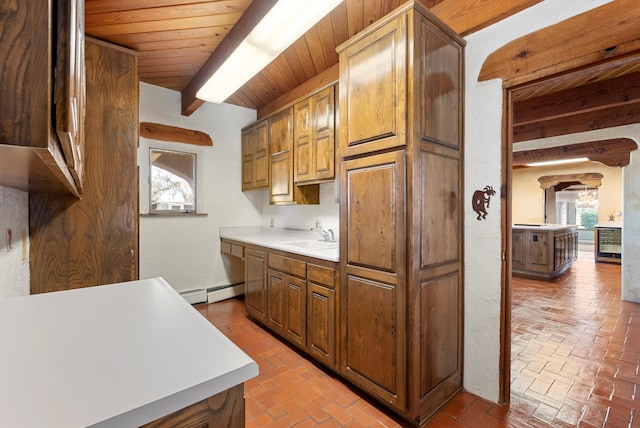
280 239
118 355
542 226
610 224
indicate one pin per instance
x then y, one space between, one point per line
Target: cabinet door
296 293
373 91
256 283
302 135
321 323
70 84
261 155
277 289
248 180
373 284
540 252
323 135
255 157
281 143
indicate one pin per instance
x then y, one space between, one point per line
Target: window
172 182
578 205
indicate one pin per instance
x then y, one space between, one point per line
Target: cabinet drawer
288 265
321 275
232 249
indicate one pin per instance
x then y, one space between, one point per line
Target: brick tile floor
575 362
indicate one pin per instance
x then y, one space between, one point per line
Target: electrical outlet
272 222
318 224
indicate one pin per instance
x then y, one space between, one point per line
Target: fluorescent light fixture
558 162
286 22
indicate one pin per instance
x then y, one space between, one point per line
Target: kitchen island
118 355
543 250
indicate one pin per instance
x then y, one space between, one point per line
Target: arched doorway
533 86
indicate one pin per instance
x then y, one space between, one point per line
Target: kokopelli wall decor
480 201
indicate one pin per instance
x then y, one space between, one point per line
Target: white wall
186 250
483 163
631 227
14 255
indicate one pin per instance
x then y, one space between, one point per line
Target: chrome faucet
327 235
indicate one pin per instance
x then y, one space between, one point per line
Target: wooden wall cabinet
94 240
283 190
255 156
314 131
401 299
42 82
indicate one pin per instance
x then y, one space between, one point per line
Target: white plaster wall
14 255
631 227
186 250
483 162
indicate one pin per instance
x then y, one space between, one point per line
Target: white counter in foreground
281 239
118 355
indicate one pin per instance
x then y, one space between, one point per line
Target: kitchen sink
311 244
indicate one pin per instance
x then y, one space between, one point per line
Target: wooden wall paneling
93 241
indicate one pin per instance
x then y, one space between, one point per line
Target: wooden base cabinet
401 300
321 313
295 297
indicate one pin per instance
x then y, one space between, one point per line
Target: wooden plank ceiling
176 37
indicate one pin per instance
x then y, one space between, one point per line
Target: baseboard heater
213 294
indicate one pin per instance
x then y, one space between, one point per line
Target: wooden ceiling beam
613 152
608 117
620 91
249 19
159 131
606 32
468 16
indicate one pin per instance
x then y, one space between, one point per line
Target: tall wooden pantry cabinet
94 240
401 301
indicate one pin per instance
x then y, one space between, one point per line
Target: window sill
174 214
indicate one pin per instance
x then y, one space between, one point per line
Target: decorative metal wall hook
480 201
